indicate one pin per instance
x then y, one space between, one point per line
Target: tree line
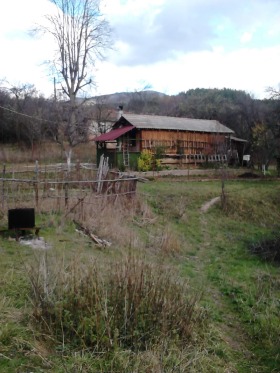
82 35
29 118
254 120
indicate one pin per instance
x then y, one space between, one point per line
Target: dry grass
46 152
164 241
113 218
126 304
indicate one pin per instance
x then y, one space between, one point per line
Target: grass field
165 252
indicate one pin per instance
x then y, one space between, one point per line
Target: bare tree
81 35
103 116
274 93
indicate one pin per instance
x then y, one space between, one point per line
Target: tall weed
130 304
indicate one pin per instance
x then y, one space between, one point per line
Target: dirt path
211 173
210 203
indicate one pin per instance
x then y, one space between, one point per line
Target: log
99 241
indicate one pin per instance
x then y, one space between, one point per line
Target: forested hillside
236 109
26 117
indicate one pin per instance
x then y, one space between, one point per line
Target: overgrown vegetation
124 305
179 289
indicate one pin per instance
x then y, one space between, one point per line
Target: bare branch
81 35
273 93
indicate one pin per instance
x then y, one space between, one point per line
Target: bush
268 249
148 162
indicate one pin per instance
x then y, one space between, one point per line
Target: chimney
120 112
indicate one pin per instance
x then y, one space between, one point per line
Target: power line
26 115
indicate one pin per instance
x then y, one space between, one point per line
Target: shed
236 148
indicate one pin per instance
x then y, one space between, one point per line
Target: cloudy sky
170 45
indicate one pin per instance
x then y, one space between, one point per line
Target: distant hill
123 98
235 109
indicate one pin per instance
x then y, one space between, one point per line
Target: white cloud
251 70
173 45
20 16
246 37
118 8
24 55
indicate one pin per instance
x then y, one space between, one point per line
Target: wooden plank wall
180 142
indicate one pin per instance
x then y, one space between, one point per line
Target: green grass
240 292
238 286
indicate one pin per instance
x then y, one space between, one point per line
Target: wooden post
66 192
102 172
134 186
3 186
82 210
66 195
36 189
99 173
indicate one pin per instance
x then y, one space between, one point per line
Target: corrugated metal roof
173 123
113 134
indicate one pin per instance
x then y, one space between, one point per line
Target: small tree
264 144
102 116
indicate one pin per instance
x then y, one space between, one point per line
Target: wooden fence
56 188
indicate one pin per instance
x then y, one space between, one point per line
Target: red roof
113 134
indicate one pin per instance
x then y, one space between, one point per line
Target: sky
170 46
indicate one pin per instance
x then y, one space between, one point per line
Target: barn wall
179 147
183 142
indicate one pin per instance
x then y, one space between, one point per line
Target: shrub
268 249
148 162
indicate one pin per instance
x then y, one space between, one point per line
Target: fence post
99 173
66 192
3 186
36 189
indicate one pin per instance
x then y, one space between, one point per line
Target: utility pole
54 88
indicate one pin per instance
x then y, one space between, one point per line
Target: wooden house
180 141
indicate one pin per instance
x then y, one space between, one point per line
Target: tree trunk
68 154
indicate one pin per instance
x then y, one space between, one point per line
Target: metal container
21 218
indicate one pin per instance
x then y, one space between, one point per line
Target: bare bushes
268 250
127 305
